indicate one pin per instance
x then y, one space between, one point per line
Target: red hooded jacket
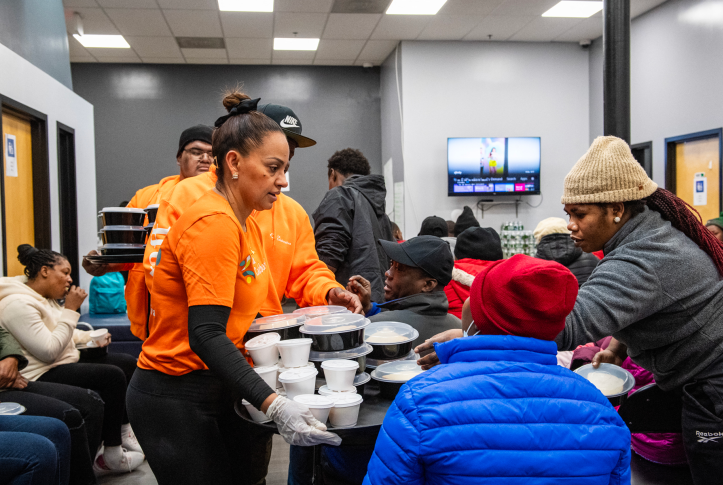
463 275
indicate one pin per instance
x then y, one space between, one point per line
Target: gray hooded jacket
560 248
658 293
348 223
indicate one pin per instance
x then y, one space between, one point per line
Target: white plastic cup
319 406
298 381
99 336
345 412
294 352
325 391
268 374
340 373
284 369
263 349
255 414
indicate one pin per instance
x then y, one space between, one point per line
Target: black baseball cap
434 226
429 253
198 132
288 121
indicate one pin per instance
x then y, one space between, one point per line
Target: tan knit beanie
607 173
551 225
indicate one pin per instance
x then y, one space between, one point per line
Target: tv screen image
493 166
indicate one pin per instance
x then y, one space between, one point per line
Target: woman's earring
616 220
235 177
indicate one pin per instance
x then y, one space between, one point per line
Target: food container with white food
358 354
339 373
318 311
122 216
255 414
325 391
613 381
373 363
390 340
294 352
286 325
263 349
393 375
360 382
298 381
333 333
269 374
320 406
345 412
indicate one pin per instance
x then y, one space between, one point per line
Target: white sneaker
129 441
129 462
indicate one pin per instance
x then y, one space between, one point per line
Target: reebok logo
704 437
289 122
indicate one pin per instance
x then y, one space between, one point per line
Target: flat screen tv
493 166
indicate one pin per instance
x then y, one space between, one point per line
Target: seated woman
47 334
499 409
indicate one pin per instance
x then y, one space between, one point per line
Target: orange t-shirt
289 244
136 292
208 259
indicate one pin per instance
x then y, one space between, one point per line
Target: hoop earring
616 220
235 177
215 162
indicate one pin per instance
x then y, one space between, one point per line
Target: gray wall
141 110
391 123
35 30
676 75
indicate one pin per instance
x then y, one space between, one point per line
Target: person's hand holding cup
100 337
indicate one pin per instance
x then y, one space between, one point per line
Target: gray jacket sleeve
9 347
333 223
620 292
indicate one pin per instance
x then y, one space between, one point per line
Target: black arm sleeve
207 338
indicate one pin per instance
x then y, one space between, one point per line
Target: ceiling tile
291 62
377 50
106 53
138 21
128 59
80 3
500 28
544 29
95 21
524 8
333 62
76 49
361 62
189 4
82 59
449 27
350 26
295 55
194 23
205 60
127 3
250 61
312 6
247 24
309 25
339 49
400 27
155 46
469 7
207 53
591 28
163 60
249 48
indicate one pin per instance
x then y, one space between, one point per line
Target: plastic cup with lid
325 391
294 352
340 373
298 381
317 311
263 349
345 412
320 406
269 374
283 369
255 414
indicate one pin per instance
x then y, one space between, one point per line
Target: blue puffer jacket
500 412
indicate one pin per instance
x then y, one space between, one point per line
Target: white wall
26 84
676 73
476 89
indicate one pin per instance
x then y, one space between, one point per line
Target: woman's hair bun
232 98
26 253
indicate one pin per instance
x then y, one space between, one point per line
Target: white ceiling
150 27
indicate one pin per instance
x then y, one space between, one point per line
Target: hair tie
245 106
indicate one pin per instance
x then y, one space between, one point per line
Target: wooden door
694 161
19 206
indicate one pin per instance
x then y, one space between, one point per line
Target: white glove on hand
298 426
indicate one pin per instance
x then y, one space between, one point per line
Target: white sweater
45 330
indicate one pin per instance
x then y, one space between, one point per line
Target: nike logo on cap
289 122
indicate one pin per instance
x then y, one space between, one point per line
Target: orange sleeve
309 278
208 254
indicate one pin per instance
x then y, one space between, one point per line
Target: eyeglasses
196 153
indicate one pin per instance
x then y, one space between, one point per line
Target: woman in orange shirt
210 280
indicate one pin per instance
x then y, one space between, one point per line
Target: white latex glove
298 426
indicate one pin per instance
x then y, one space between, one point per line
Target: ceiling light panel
106 41
246 5
294 44
574 9
415 7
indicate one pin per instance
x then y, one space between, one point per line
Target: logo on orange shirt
248 274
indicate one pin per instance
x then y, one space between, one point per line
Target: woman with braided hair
658 290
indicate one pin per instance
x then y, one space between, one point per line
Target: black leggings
108 376
190 432
80 409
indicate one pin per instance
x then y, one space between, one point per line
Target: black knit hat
481 243
198 132
464 221
433 226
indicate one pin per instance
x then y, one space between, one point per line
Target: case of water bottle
515 240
